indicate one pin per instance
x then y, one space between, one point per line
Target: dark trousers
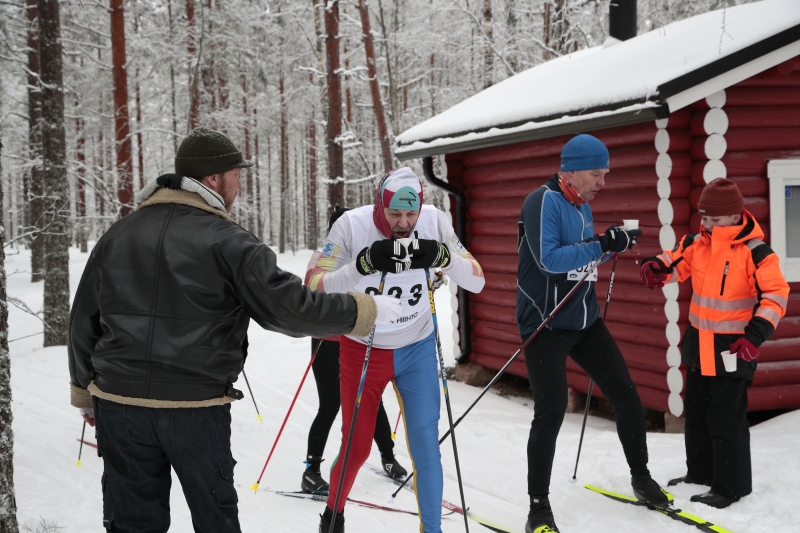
717 435
139 445
597 354
326 375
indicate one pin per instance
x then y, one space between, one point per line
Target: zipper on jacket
555 296
724 275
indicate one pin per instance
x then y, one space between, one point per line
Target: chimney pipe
622 19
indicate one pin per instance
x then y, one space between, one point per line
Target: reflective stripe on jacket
737 284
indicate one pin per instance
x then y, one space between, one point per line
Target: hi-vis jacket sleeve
677 263
772 293
463 269
333 267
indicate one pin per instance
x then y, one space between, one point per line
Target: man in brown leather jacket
158 337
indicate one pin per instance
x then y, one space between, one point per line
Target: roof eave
404 153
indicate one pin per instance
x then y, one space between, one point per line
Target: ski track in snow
492 448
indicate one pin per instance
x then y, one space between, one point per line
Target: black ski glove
382 256
427 253
618 240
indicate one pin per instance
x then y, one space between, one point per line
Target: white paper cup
729 359
630 224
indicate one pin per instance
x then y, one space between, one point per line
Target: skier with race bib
362 244
557 246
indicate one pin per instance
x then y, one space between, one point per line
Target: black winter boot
540 517
312 478
325 521
713 499
689 479
392 468
647 490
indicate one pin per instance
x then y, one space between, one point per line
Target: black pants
140 445
326 374
598 355
717 435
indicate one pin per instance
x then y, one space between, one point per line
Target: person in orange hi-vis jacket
739 295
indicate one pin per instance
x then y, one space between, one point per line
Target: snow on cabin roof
640 79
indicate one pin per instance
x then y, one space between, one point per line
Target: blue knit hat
584 152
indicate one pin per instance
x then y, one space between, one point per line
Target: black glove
618 240
426 253
383 256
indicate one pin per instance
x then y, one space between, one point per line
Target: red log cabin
715 95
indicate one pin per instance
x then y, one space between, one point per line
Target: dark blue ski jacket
556 242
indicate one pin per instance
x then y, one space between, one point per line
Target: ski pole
258 417
254 486
343 471
513 358
396 425
446 395
80 448
591 381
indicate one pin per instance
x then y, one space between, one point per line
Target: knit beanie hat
721 197
205 152
584 152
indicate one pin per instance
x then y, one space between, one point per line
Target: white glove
86 411
389 309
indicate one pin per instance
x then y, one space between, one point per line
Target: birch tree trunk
121 112
36 188
56 186
333 128
374 88
8 502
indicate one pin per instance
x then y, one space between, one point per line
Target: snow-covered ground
492 448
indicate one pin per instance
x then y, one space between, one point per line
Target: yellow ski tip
254 486
78 463
394 436
259 417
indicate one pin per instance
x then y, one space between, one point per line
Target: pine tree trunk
80 185
194 82
36 187
56 186
249 204
283 228
333 128
374 88
139 148
488 55
8 502
259 217
511 24
313 229
389 70
121 112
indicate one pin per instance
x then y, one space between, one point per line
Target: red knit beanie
720 198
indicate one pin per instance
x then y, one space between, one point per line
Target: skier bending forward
359 247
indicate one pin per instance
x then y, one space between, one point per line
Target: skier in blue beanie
557 245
